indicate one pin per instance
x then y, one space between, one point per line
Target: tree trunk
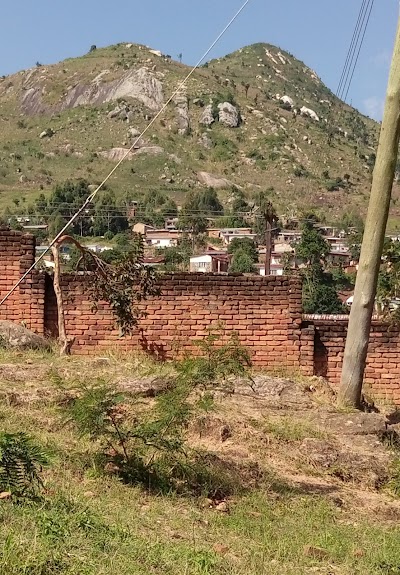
371 251
64 341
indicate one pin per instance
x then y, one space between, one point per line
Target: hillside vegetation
74 119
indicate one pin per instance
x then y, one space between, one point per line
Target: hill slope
73 119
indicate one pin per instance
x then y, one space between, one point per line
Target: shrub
147 444
21 463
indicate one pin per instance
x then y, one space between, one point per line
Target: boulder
229 115
207 117
117 154
114 113
134 132
182 114
48 133
287 100
213 181
308 113
15 336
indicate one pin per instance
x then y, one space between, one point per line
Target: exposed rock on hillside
182 114
309 113
207 117
140 84
213 181
229 115
117 154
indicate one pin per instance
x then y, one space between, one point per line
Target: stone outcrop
213 181
229 115
182 114
207 117
141 85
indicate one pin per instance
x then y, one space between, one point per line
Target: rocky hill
257 119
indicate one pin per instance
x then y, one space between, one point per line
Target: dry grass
92 524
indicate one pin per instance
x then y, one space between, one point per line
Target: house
162 238
229 234
338 244
210 262
339 258
141 228
279 259
288 236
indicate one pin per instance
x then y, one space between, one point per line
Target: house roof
163 234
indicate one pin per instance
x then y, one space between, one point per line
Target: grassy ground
89 523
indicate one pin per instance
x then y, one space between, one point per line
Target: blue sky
315 31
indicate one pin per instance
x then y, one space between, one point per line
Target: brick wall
382 372
27 302
266 313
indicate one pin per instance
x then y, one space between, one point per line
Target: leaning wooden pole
355 354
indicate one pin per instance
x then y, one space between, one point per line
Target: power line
350 51
90 198
359 49
356 45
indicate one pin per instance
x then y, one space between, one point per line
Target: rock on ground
213 181
207 117
182 114
18 337
229 115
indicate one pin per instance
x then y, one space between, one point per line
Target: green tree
312 247
242 263
177 258
246 245
205 202
389 276
108 216
319 292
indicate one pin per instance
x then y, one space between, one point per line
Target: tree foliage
319 291
123 283
246 245
102 216
204 202
388 291
242 263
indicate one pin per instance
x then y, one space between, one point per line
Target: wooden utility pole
269 213
268 244
371 251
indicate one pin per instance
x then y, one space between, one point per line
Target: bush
147 444
21 463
